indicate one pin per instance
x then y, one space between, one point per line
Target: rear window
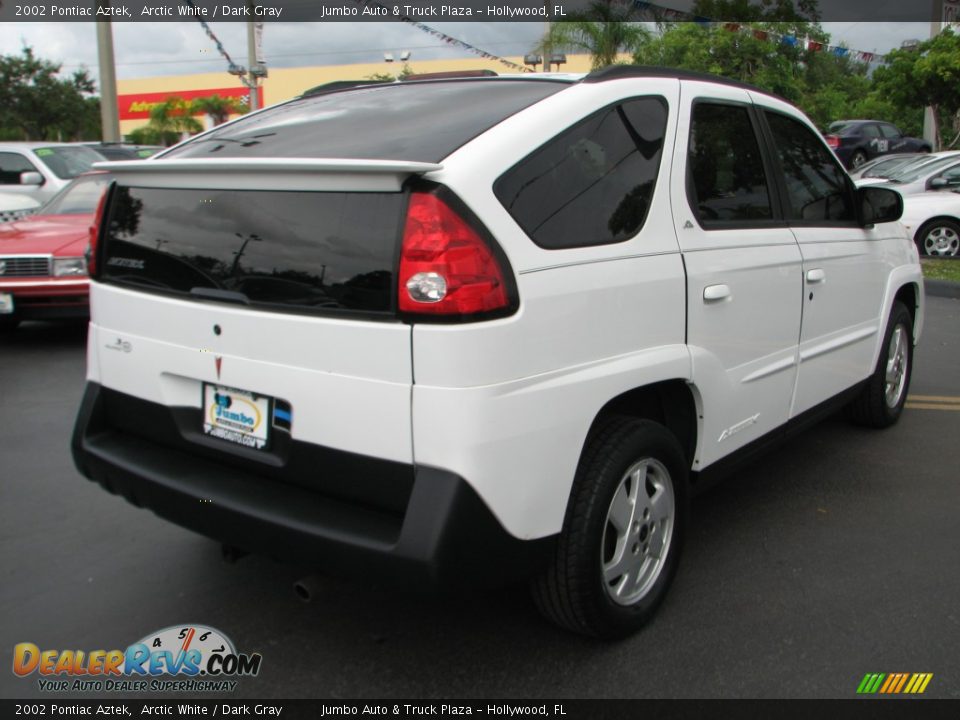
843 128
307 251
417 121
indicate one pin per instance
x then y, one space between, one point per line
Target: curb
942 288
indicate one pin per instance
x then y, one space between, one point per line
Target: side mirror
939 183
31 178
879 205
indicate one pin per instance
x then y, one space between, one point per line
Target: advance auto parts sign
137 106
180 658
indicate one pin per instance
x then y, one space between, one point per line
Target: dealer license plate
236 416
6 303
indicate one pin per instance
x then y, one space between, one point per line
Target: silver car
938 171
41 169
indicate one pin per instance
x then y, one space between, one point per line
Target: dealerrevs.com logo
180 658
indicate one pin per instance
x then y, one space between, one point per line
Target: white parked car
933 221
472 329
13 207
938 171
40 169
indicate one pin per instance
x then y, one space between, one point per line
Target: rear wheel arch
670 403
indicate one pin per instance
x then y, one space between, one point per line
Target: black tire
858 158
8 324
572 592
940 224
871 408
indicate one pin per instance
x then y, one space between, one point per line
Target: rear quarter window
592 184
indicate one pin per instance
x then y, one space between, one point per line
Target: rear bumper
444 536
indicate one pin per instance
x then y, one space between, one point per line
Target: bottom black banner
872 709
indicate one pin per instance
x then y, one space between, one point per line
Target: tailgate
267 282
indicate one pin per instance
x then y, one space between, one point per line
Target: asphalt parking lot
836 556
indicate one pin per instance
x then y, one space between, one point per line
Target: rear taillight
94 231
447 269
833 141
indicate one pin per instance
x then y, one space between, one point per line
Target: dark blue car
857 141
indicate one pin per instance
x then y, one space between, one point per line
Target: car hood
11 202
65 235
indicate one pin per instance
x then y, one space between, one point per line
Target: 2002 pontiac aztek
455 329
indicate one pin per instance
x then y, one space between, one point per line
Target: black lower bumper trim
446 537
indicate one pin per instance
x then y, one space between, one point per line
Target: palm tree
605 29
218 108
172 119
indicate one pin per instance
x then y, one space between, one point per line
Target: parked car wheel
939 237
858 159
623 532
880 403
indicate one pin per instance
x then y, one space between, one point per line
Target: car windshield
79 197
68 161
919 169
885 168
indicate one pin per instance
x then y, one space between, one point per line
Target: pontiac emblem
3 266
218 361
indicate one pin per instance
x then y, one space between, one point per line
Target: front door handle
713 293
816 276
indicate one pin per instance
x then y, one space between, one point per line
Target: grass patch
941 269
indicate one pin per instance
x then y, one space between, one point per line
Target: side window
870 130
593 183
890 132
11 165
725 177
817 188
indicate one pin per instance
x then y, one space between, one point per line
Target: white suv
474 329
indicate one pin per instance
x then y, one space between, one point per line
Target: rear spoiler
319 174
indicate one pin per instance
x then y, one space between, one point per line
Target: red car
43 271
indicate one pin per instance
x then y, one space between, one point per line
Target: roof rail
617 72
449 74
338 85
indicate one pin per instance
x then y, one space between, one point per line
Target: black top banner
468 10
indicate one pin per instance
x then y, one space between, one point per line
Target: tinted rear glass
327 252
417 121
593 183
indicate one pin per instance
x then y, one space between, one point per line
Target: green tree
37 104
772 56
171 119
927 74
218 108
605 29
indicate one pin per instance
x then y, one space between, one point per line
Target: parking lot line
934 398
933 402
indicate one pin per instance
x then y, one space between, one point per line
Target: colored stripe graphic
894 683
934 402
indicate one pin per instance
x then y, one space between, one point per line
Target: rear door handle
816 276
713 293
